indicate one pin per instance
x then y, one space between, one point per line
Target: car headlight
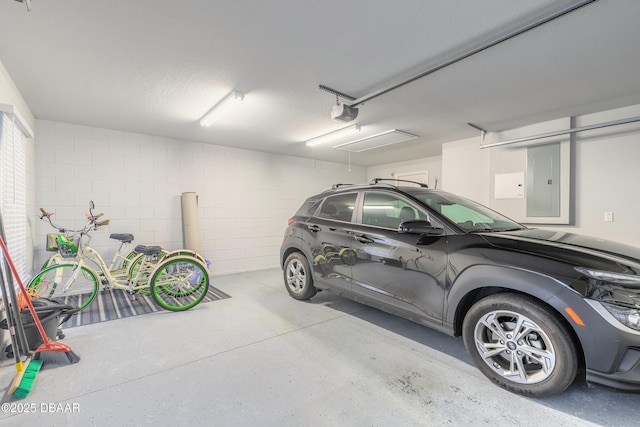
618 293
627 316
627 280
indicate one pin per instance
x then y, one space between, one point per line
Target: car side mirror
419 226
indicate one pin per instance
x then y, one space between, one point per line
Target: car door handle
314 228
363 238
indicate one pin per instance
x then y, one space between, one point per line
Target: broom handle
36 319
10 310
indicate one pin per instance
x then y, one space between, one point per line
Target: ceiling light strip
379 140
226 104
332 136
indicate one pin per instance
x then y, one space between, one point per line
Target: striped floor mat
117 304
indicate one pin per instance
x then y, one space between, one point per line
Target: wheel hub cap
515 347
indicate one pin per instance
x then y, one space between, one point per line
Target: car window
308 207
466 214
339 207
462 214
388 210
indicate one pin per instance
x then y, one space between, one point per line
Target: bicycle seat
124 238
148 250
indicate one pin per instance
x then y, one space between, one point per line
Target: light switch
608 216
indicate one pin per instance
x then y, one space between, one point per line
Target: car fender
294 244
536 284
590 328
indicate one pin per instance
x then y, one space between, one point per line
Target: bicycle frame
91 259
176 280
116 279
88 252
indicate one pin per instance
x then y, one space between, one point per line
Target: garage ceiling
156 66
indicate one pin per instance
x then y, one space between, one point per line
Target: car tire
520 344
297 277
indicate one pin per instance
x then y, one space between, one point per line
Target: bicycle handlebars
45 213
92 221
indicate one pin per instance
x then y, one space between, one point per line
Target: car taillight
291 220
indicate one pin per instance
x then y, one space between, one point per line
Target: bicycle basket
66 247
52 243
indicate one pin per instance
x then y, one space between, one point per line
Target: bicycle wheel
129 257
135 261
142 276
74 285
141 268
179 283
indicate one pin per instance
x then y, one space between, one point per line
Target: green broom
23 381
12 327
25 378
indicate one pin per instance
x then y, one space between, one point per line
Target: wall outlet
608 216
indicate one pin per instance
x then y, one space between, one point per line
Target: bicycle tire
137 261
134 261
58 281
179 283
129 257
141 277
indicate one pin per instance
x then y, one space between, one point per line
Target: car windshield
468 215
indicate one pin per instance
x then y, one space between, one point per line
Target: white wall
10 95
605 174
465 169
245 197
512 159
431 164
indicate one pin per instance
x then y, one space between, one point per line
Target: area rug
117 304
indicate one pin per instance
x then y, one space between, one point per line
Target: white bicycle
176 280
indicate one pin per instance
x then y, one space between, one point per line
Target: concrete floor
261 358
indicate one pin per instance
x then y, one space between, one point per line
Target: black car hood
542 240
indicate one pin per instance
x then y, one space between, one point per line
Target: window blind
13 186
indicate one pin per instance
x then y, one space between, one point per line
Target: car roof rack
377 180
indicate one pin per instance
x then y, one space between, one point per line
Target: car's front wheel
297 277
520 345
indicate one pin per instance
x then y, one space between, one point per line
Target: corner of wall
10 95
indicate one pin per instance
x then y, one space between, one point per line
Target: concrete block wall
244 197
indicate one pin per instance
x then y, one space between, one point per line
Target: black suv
532 305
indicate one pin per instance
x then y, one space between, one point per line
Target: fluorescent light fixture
332 136
389 137
227 103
